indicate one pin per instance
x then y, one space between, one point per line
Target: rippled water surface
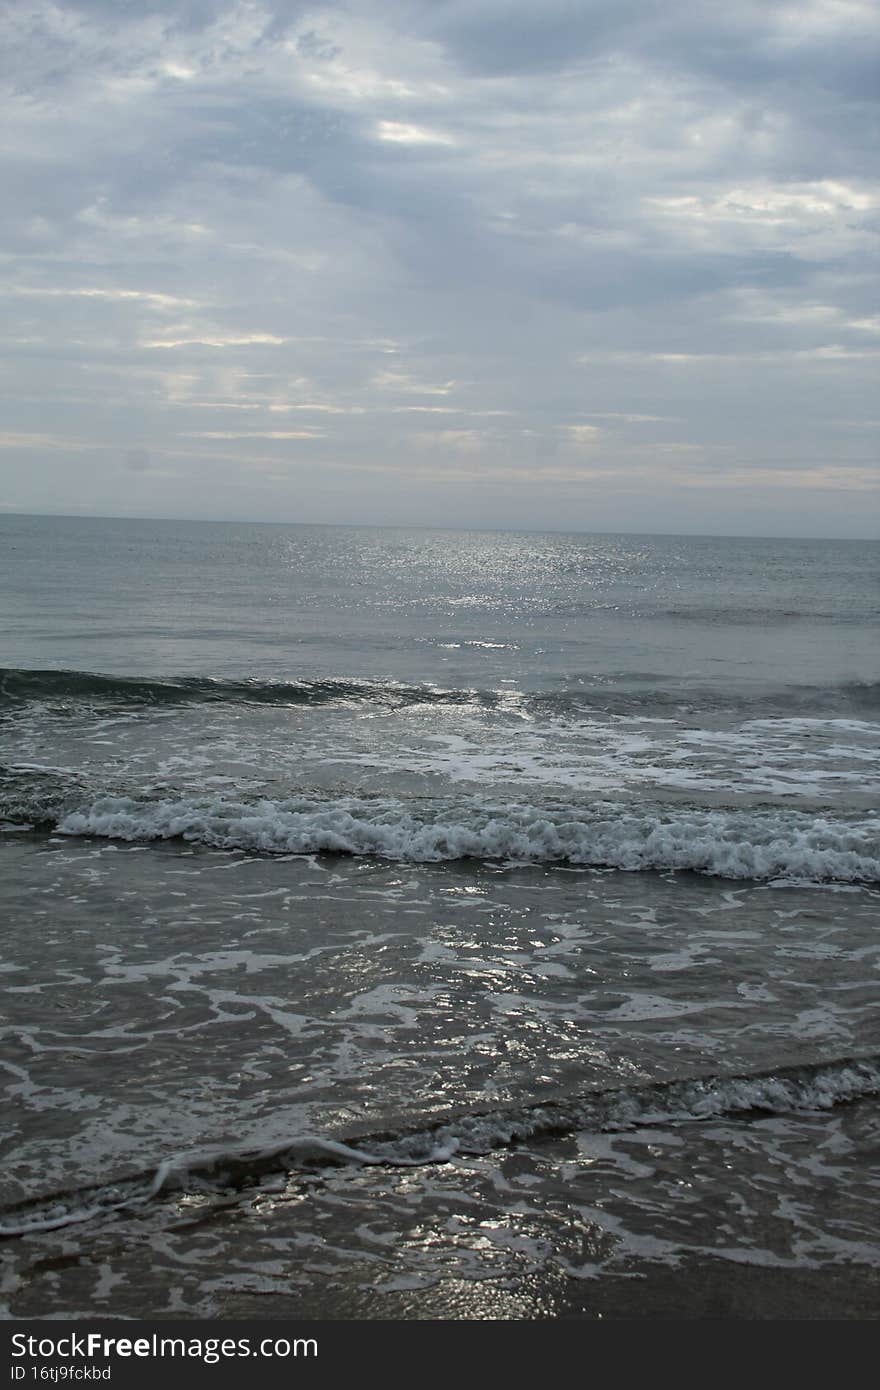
426 924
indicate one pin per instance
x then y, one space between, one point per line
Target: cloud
216 341
400 133
252 434
401 382
584 436
159 301
552 242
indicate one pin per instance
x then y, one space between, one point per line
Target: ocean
424 924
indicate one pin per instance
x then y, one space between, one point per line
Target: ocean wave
787 1090
757 844
20 686
590 693
757 616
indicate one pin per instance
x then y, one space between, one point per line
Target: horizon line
425 526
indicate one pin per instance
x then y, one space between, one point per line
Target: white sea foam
789 1091
602 755
686 1101
757 844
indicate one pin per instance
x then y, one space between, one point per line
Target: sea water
421 924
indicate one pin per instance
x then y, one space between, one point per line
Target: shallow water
421 924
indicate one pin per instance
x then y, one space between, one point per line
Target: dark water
434 924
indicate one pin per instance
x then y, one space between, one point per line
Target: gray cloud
596 264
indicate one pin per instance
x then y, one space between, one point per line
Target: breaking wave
788 1090
758 843
612 695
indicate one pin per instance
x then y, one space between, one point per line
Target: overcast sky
596 265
